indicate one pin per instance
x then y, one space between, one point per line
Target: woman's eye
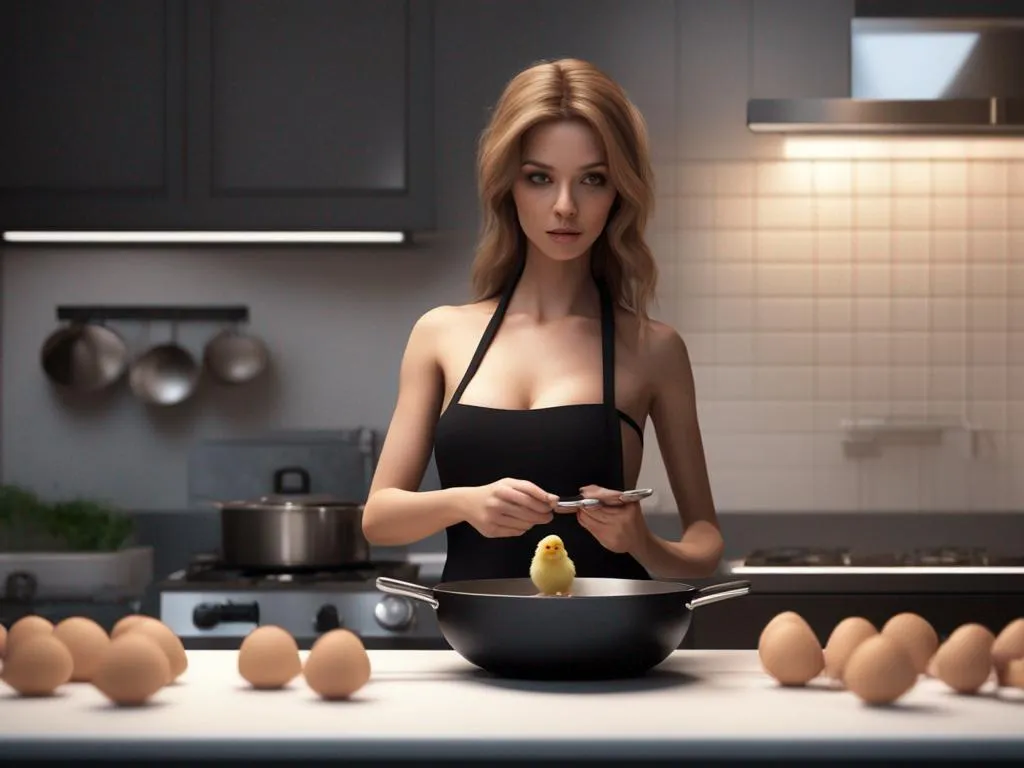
594 179
537 178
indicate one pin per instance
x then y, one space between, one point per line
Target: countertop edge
386 748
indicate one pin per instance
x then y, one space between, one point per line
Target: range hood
916 76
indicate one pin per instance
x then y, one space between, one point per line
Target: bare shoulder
665 353
436 325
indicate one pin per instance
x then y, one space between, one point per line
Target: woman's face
562 192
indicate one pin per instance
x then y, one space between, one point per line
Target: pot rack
90 312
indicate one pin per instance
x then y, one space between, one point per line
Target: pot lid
292 501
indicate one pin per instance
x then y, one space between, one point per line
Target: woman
541 387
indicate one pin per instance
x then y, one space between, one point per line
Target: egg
845 637
1014 675
38 665
3 640
964 662
127 622
169 642
778 619
269 658
880 670
27 626
791 653
86 640
131 669
916 635
337 665
1008 646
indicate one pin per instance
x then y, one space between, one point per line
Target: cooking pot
292 531
607 628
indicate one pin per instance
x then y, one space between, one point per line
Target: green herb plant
28 523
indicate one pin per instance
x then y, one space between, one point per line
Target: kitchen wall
810 287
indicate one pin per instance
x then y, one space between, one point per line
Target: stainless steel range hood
916 76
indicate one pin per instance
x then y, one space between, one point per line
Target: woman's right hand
508 507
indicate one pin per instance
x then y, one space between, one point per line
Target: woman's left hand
618 525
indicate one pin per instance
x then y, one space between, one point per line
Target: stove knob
327 618
395 613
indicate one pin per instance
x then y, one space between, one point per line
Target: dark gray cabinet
216 114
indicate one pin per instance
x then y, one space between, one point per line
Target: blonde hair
569 89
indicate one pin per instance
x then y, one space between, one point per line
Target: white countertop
434 705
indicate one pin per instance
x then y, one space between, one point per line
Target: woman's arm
674 415
396 513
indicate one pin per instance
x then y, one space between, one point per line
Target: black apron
560 448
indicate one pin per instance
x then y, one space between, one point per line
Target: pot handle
716 592
405 589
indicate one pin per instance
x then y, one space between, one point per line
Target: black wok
607 628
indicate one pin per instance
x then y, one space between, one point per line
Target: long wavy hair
568 89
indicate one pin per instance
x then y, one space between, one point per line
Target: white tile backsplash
814 290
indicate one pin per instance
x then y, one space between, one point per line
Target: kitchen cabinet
216 114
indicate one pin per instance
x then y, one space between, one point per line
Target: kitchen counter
433 705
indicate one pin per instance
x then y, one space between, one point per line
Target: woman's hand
508 507
618 525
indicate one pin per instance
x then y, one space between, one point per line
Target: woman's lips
564 237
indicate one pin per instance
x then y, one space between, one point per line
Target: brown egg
1014 675
269 658
791 653
127 622
86 640
778 619
38 665
168 641
915 634
337 665
964 662
1009 646
27 626
3 640
131 669
880 670
845 637
933 664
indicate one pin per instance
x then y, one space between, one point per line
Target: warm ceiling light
916 148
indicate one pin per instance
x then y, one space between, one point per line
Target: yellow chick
551 569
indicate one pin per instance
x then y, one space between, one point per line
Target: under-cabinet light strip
205 237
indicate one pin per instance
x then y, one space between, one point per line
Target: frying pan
607 628
84 357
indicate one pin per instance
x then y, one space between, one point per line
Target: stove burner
797 556
944 557
210 569
947 556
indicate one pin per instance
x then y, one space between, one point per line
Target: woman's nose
565 205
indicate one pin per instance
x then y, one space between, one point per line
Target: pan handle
405 589
716 592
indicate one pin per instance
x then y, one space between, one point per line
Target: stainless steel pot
292 530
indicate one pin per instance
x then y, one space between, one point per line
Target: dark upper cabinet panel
86 89
310 114
309 96
216 114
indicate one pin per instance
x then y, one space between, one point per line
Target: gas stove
211 605
929 569
947 585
